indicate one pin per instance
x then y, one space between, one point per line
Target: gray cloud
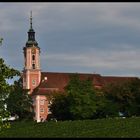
118 59
84 37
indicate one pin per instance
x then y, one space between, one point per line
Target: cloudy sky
92 37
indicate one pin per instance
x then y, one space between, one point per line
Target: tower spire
31 20
31 34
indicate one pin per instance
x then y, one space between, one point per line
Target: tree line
81 100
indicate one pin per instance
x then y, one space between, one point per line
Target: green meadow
113 128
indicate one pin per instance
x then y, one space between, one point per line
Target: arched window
33 57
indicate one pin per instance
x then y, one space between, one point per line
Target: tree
79 101
19 101
126 95
60 106
106 108
134 106
82 98
5 73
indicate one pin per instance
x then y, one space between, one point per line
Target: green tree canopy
126 95
5 73
19 102
82 98
60 107
78 102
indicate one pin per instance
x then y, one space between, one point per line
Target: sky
102 38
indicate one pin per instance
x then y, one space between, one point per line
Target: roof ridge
73 73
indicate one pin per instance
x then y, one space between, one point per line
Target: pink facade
32 74
32 78
40 107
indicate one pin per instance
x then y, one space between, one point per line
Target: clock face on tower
33 50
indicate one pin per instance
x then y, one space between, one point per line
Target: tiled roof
114 79
44 91
57 81
60 80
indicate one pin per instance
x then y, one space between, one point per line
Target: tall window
33 65
33 57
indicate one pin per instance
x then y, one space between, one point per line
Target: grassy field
121 128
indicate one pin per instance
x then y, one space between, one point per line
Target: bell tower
32 71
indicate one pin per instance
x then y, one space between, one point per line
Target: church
41 83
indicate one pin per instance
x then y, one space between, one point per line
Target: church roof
115 79
55 81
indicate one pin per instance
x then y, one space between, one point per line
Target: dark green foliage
107 108
133 107
82 101
60 107
19 101
82 98
118 94
78 102
5 73
126 95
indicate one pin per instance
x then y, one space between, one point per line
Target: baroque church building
41 83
